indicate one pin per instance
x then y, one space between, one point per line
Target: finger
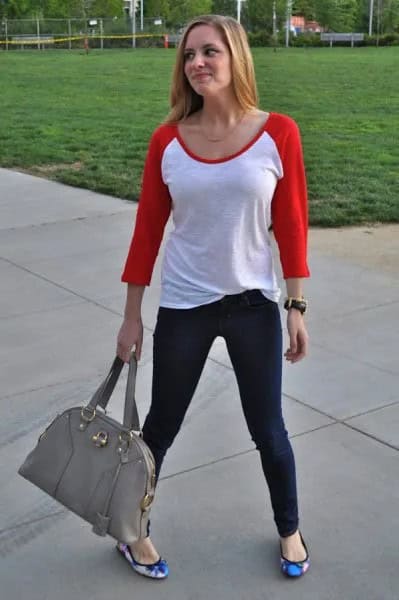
123 353
138 347
301 351
137 350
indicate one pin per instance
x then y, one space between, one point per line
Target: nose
198 60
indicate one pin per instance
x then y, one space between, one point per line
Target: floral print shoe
157 570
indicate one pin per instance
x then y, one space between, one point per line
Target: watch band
297 303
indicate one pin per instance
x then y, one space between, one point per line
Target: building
301 25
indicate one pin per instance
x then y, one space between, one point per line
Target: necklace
229 131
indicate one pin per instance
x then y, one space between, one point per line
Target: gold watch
298 303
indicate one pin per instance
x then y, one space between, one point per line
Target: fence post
38 32
69 34
133 28
101 34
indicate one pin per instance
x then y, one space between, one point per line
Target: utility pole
378 21
239 6
288 23
133 23
274 25
371 13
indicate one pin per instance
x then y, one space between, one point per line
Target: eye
211 52
188 56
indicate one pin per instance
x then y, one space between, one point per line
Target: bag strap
102 395
130 413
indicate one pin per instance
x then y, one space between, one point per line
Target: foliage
182 11
256 15
60 9
260 38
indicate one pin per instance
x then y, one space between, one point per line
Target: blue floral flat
295 569
157 570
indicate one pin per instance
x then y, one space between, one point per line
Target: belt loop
246 299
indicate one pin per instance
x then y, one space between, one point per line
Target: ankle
144 551
293 547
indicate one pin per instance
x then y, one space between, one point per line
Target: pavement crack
66 289
371 436
367 308
13 538
8 530
310 407
63 287
233 456
371 410
123 210
355 359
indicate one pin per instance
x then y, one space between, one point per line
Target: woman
227 171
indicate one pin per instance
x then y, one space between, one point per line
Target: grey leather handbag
98 468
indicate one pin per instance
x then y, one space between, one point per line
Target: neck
220 111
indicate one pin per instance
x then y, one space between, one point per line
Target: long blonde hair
184 100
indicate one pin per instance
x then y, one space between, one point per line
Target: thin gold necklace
230 131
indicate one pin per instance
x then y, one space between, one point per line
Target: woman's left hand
298 335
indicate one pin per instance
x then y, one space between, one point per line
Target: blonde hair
184 100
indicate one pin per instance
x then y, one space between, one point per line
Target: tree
305 8
15 9
337 15
182 11
224 7
106 8
258 14
389 15
156 8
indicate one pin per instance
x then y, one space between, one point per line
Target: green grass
86 120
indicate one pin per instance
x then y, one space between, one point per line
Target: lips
201 76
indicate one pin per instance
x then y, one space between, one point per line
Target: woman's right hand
130 335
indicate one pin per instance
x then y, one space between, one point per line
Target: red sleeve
152 215
289 204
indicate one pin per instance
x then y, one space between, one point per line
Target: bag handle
102 395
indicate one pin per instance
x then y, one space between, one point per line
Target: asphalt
61 254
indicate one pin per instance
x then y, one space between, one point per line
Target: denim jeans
251 327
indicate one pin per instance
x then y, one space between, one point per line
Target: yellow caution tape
52 40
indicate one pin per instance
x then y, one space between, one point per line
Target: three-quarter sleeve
289 204
152 215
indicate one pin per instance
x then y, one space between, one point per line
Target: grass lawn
86 120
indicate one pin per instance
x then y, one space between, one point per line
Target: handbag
98 468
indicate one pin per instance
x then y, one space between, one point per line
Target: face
207 61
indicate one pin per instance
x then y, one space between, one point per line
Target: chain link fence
118 32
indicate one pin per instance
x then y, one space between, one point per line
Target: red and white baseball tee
222 211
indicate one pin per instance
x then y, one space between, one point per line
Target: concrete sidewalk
61 255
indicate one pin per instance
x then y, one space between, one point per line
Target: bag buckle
91 414
100 439
146 502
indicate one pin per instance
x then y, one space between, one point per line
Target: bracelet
297 303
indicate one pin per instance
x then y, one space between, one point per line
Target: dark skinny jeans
251 327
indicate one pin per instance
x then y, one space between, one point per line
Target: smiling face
207 61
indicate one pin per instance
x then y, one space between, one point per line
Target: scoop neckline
242 150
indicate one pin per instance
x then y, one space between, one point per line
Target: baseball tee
222 212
